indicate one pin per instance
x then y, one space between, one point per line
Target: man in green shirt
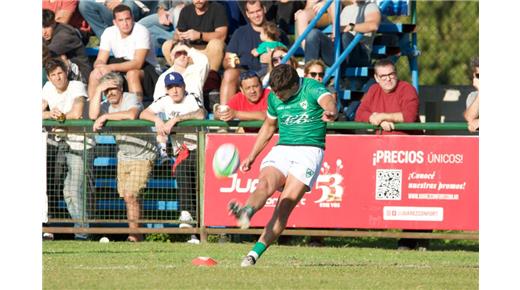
299 107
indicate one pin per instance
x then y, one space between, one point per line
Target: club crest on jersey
303 104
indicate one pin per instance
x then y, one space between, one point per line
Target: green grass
160 265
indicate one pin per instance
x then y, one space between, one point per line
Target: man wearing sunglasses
389 101
299 108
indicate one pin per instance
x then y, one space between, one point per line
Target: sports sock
258 249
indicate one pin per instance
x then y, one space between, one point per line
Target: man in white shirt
63 100
133 55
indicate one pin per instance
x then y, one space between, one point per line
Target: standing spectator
358 17
135 153
204 25
66 12
162 23
63 40
238 52
248 104
192 64
179 105
63 100
472 102
134 55
98 13
389 100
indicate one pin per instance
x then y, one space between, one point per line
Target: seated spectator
63 40
238 55
179 105
304 16
204 25
133 55
66 12
280 12
277 54
314 69
64 100
358 17
269 36
192 64
248 104
389 100
98 13
471 114
162 23
135 153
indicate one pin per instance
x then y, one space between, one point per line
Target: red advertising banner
366 181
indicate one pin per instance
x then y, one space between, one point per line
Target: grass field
162 265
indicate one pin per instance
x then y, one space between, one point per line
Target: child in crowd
270 37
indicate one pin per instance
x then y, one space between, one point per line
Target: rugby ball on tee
204 261
225 160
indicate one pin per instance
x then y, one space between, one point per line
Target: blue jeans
158 32
320 46
77 202
100 17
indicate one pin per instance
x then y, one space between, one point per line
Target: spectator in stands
389 100
134 55
192 64
179 105
270 36
64 100
238 52
358 17
471 114
203 24
98 13
66 12
63 40
135 154
315 69
277 54
248 104
280 12
304 16
162 23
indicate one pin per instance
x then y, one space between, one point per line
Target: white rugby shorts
302 162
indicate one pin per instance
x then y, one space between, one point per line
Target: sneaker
193 240
48 236
242 214
186 219
234 208
248 261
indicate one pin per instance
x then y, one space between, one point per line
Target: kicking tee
299 118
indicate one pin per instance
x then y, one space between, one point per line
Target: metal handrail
256 124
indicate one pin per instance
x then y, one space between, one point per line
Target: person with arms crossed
135 154
299 108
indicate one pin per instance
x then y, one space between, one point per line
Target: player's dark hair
283 77
53 64
271 30
48 18
120 8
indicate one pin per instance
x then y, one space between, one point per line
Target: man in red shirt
389 101
248 104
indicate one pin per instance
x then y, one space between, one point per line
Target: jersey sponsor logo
296 119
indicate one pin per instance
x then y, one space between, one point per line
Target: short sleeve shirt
349 14
125 48
239 102
244 39
299 118
63 101
214 17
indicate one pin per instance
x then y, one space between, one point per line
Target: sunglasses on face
179 53
476 75
316 74
277 59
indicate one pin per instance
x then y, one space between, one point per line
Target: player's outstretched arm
266 133
328 103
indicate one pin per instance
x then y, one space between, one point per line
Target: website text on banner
366 181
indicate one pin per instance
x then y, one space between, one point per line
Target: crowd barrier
370 185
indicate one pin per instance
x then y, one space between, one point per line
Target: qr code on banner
388 184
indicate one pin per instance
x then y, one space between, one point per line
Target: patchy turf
160 265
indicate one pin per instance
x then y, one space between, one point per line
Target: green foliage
448 37
157 265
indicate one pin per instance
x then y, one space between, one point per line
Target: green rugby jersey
299 118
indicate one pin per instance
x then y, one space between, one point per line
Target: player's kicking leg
291 195
269 181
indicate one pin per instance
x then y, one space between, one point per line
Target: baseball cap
173 79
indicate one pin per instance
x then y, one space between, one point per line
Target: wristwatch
351 26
